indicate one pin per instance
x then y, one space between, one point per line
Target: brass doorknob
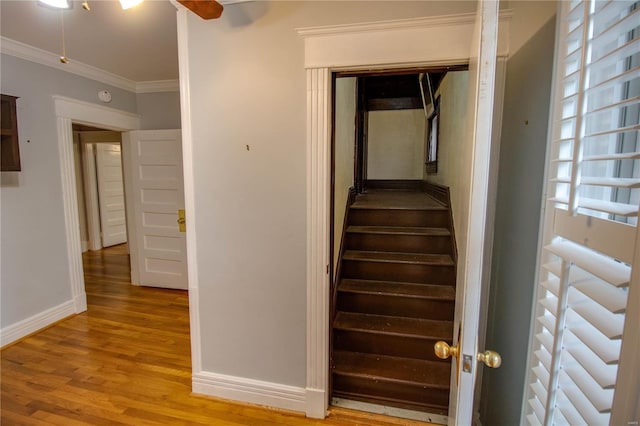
491 359
444 351
181 221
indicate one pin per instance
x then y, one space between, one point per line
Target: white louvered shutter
590 216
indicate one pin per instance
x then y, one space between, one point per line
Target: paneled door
155 194
111 194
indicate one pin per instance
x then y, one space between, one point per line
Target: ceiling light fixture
128 4
59 4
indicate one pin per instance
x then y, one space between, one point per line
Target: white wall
34 271
159 110
454 149
82 211
345 139
249 88
396 144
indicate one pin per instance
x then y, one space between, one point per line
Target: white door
111 194
155 193
482 73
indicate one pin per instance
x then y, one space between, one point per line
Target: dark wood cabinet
10 150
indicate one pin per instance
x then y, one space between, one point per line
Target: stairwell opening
393 255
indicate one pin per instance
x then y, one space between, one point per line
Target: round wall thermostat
104 96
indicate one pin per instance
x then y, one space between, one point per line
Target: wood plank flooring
126 361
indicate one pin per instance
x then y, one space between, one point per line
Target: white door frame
91 195
381 45
70 111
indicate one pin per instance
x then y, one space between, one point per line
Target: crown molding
39 56
43 57
158 86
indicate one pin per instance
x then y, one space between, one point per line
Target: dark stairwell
394 299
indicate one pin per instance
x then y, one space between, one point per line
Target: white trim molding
182 16
249 390
86 113
318 186
378 45
70 111
36 322
71 219
39 56
385 44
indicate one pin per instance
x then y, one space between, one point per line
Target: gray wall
250 206
35 273
159 110
520 181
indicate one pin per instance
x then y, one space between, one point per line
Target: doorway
70 111
383 126
343 50
100 187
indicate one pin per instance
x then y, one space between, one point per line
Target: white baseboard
84 245
36 322
251 391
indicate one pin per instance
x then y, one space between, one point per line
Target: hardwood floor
126 361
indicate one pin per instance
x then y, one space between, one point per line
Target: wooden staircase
393 300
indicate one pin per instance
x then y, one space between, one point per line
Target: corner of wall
36 322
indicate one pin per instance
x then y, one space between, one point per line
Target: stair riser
396 306
408 347
384 217
399 243
387 390
401 272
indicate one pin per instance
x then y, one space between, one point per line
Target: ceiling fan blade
206 9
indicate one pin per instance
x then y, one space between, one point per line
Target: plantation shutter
590 215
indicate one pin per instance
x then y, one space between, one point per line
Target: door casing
70 111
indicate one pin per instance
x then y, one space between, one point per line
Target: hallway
124 361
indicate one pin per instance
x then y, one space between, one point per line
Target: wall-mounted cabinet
9 150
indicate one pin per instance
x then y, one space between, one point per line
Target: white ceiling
139 44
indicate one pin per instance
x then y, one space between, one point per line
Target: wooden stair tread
426 374
391 257
382 206
397 200
392 325
399 230
398 289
